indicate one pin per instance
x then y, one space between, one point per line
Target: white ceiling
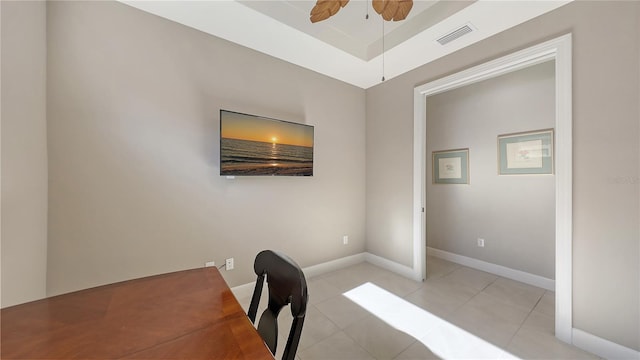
346 46
350 30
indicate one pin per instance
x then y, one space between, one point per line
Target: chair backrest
287 285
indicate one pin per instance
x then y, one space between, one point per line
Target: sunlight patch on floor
441 337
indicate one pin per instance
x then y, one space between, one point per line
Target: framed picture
451 166
526 153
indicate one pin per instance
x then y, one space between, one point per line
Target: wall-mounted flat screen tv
253 145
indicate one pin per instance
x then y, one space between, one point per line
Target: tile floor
510 316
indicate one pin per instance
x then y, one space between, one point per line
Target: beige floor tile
441 297
316 328
394 283
515 293
341 311
437 267
338 346
282 342
536 340
320 290
285 320
378 338
547 304
417 351
490 320
470 277
493 308
351 277
280 350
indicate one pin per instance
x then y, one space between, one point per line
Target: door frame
558 50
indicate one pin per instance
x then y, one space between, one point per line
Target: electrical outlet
228 265
480 242
345 239
209 263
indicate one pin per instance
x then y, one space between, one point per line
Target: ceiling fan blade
319 16
390 10
395 10
328 6
404 7
324 9
379 5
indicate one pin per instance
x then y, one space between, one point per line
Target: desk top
187 314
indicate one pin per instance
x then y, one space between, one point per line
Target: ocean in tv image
252 145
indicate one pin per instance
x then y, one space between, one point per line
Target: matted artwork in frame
526 153
451 166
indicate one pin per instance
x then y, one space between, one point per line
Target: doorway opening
559 51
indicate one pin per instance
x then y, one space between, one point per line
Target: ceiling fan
395 10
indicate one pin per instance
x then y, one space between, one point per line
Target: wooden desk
183 315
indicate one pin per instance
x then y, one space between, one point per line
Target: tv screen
255 145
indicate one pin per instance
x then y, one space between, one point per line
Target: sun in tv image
254 145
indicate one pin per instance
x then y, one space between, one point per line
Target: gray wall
24 151
606 190
134 185
515 215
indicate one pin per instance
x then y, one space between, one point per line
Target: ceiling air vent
455 34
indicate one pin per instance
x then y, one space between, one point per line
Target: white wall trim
558 49
419 183
392 266
564 187
333 265
509 273
602 347
246 290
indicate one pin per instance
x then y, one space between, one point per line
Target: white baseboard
602 347
391 266
333 265
499 270
246 290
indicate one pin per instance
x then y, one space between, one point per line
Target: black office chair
287 285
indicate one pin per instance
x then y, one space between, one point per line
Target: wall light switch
480 242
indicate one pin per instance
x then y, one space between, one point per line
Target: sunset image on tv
253 145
